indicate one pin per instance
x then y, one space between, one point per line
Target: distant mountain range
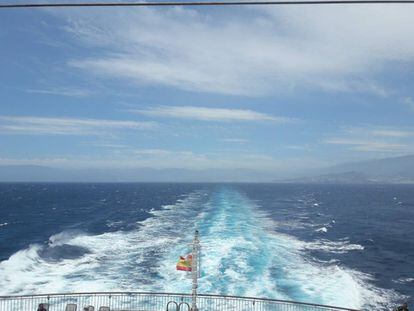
33 173
388 170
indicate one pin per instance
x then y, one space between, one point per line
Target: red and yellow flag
184 264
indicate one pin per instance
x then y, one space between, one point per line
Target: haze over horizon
277 90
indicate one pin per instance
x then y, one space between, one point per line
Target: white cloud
305 147
235 140
369 146
251 52
210 114
55 162
109 145
63 91
393 133
375 139
174 159
66 126
161 152
409 102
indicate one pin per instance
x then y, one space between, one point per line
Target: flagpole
194 271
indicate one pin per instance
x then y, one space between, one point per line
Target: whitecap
111 224
64 237
337 247
404 280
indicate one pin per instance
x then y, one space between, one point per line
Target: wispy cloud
375 139
31 125
409 102
235 140
172 159
108 145
188 159
393 133
62 91
210 114
277 50
368 145
161 152
305 147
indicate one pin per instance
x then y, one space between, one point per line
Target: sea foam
242 254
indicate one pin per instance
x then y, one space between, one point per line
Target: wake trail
242 254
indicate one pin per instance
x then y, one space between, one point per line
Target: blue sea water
344 245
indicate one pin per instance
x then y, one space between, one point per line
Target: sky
260 88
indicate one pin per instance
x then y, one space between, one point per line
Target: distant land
388 170
34 173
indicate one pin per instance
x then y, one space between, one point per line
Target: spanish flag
184 264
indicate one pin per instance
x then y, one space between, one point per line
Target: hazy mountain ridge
47 174
388 170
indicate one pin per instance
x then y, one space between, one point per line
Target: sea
343 245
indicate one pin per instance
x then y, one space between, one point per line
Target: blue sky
274 89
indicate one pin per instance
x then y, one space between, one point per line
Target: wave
337 247
322 230
404 280
242 254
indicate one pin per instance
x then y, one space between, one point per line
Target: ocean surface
350 246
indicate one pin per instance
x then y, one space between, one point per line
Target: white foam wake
242 255
112 261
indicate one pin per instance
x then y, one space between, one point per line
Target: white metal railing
142 301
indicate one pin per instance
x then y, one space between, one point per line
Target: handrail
256 299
